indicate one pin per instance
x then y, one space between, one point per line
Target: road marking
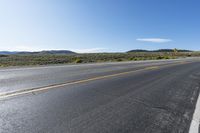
153 67
27 91
194 127
34 90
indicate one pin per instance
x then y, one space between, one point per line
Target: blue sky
99 25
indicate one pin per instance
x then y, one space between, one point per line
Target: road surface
127 97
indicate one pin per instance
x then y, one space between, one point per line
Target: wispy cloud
90 50
19 48
154 40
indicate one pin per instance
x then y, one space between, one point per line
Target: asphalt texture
160 100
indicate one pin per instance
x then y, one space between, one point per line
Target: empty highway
126 97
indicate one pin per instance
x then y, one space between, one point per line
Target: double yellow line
35 90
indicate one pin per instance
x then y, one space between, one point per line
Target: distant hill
39 52
57 52
138 50
7 52
160 50
172 50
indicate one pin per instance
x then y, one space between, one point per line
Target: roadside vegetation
45 59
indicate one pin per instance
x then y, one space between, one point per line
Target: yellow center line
153 67
34 90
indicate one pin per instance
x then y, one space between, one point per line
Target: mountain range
38 52
71 52
160 50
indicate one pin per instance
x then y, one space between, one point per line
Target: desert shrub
119 59
166 57
78 60
159 57
34 59
3 55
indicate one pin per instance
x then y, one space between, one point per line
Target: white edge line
194 127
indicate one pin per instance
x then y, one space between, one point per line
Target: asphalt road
130 97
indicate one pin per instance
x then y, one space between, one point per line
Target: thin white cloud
32 49
89 50
19 48
154 40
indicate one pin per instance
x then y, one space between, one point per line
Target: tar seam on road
40 89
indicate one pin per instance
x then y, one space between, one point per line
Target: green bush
166 57
78 60
3 55
159 58
119 60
